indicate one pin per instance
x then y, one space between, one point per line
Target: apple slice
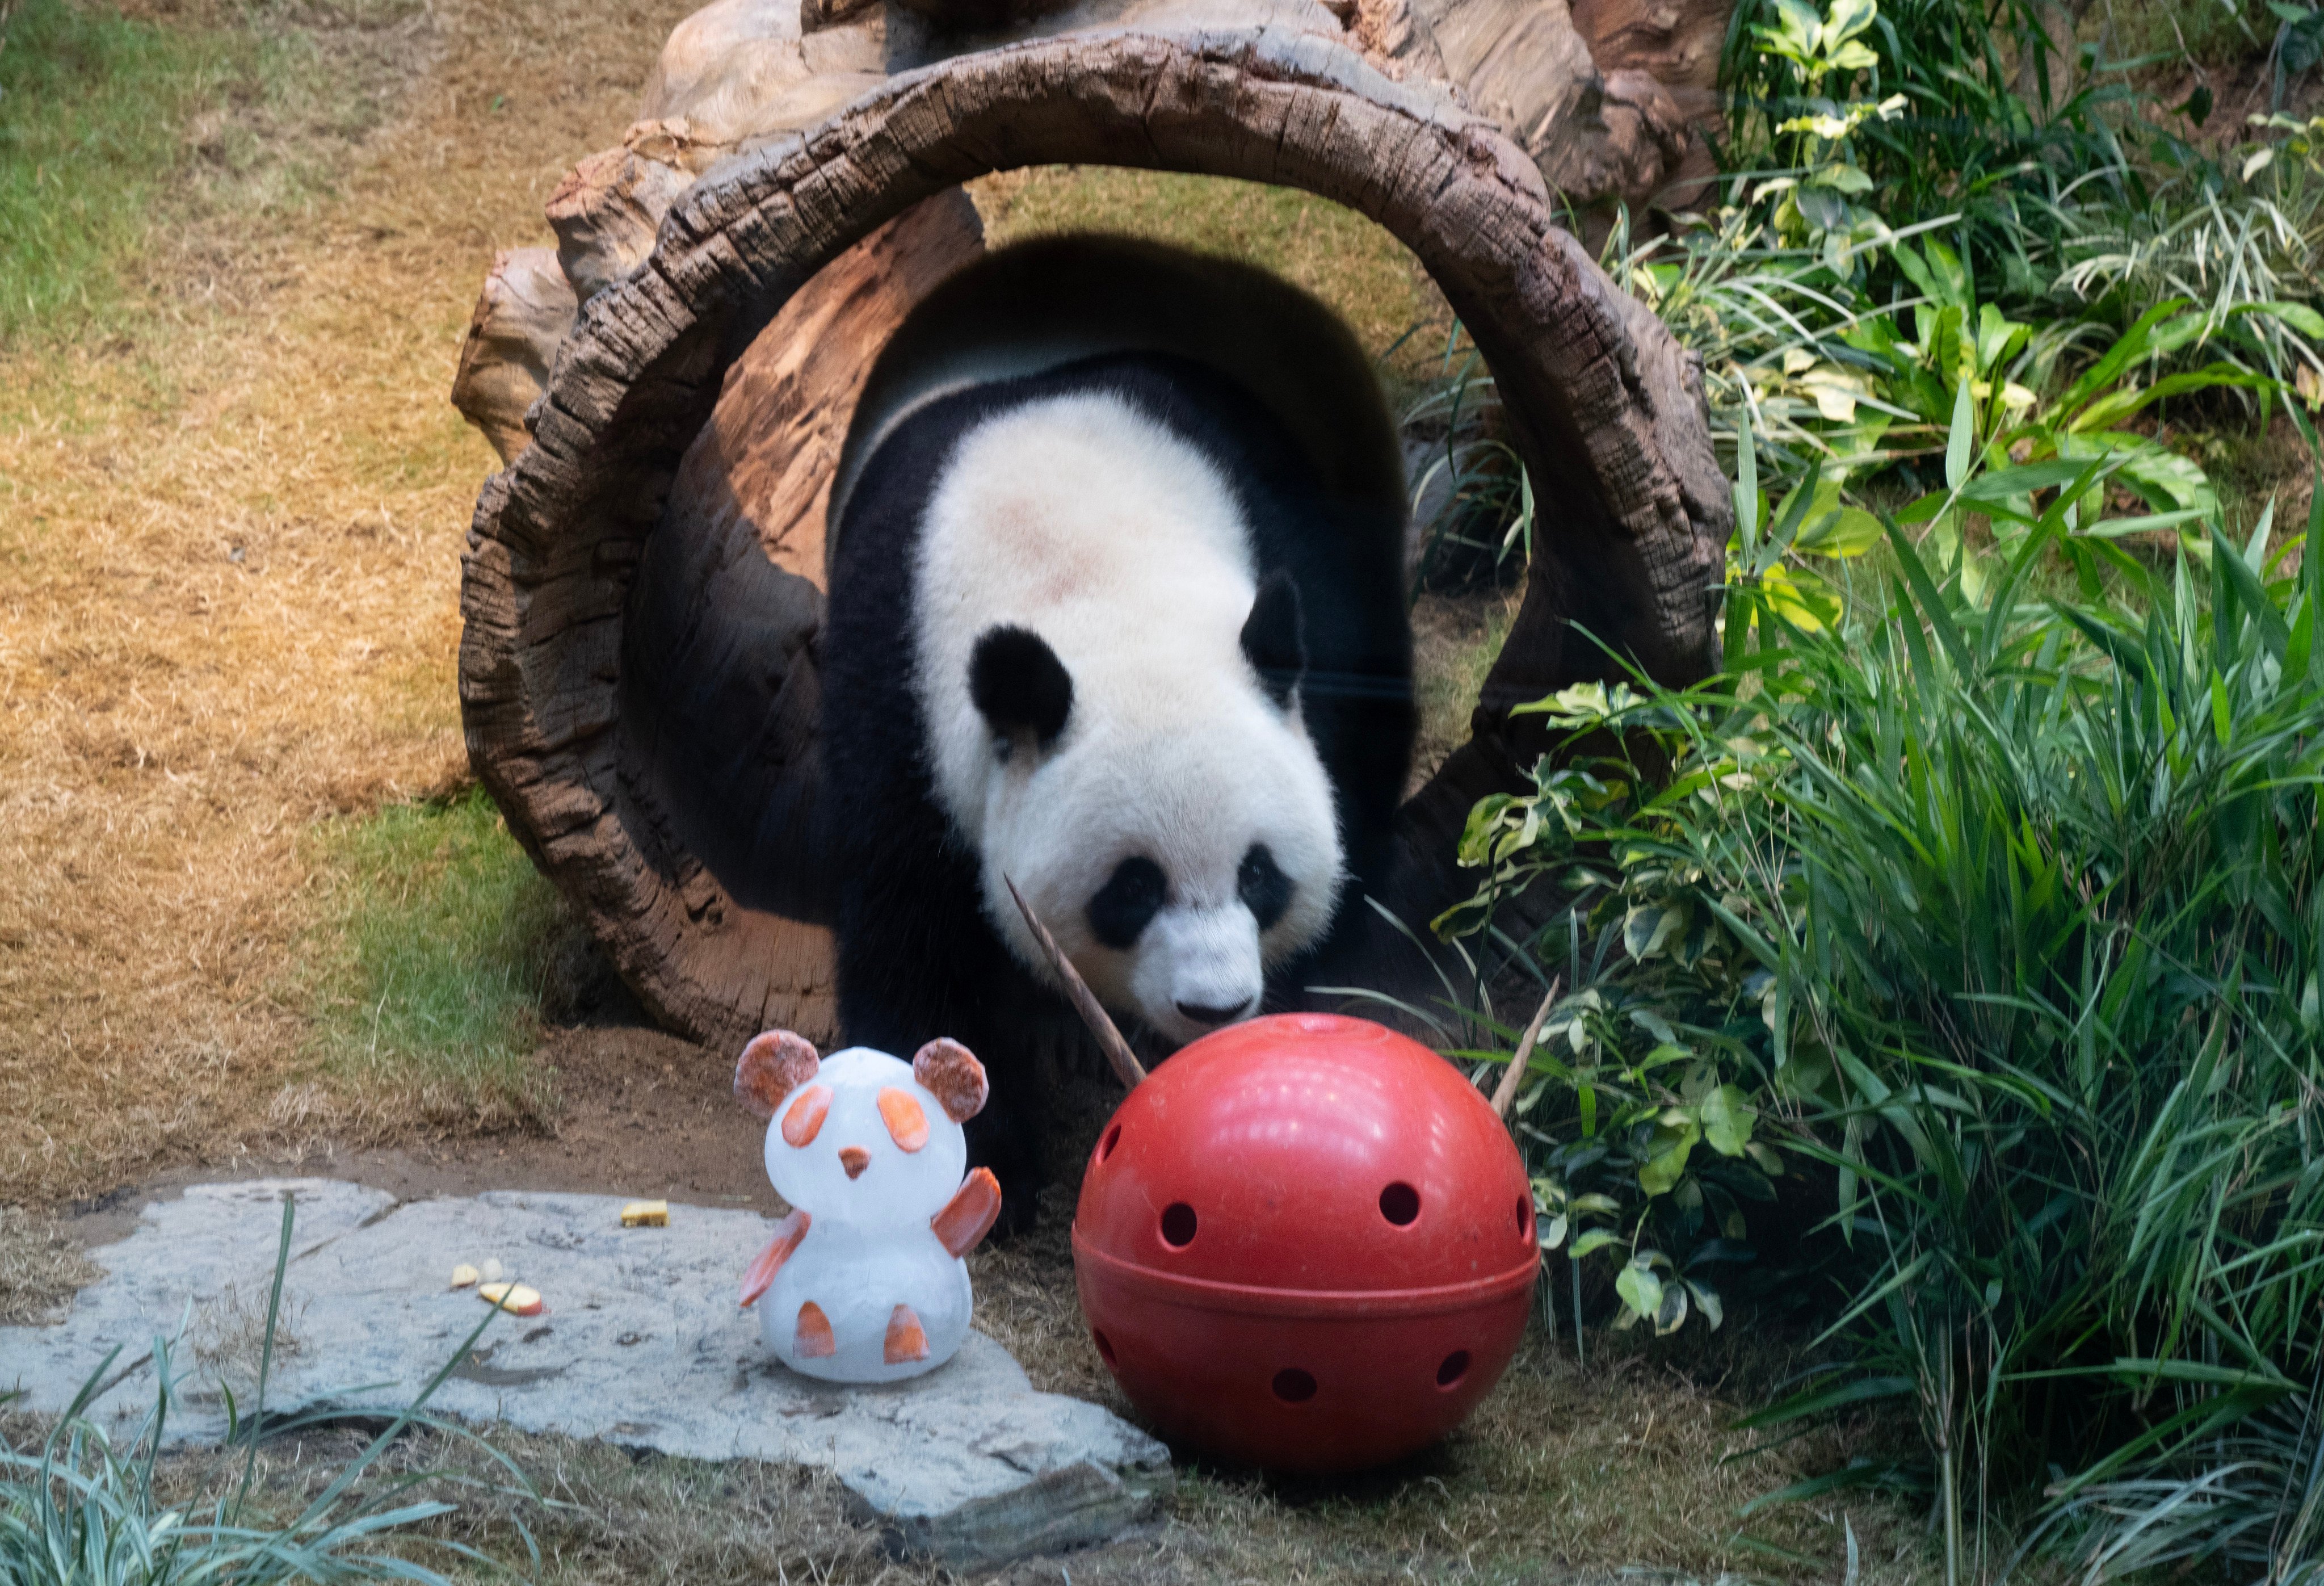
512 1297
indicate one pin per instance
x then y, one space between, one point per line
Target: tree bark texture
1610 99
643 588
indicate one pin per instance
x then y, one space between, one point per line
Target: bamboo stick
1506 1091
1126 1067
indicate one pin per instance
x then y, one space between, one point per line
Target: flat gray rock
640 1344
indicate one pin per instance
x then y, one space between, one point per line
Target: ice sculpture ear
773 1066
951 1072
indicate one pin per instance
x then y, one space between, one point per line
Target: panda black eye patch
1266 890
1129 898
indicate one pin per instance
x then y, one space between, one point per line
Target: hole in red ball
1295 1387
1525 1217
1113 1139
1456 1366
1104 1345
1400 1204
1177 1225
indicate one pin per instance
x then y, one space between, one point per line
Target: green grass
439 949
119 133
95 109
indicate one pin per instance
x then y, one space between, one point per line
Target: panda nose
1202 1014
855 1160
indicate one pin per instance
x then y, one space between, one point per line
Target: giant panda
1116 612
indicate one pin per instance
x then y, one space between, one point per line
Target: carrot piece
951 1072
907 1125
813 1339
804 1121
907 1338
969 1215
772 1066
761 1276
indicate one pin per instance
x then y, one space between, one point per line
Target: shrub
2000 907
2240 235
1963 143
1946 966
1845 293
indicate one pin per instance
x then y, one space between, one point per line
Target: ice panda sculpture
1116 612
863 1281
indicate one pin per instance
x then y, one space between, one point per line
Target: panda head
1177 841
862 1138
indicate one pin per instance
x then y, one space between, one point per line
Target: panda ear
1275 637
773 1066
952 1075
1018 684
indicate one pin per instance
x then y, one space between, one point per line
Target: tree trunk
643 586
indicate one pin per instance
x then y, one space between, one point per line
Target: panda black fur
1243 696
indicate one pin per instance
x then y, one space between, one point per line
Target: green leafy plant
2008 904
1476 495
2239 235
1839 343
1968 360
1964 144
2042 951
1982 882
1643 1110
2298 46
1822 205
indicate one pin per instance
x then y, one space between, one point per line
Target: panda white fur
1107 630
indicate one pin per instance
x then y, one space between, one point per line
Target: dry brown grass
41 1269
1350 262
1518 1497
231 535
1455 639
1565 1466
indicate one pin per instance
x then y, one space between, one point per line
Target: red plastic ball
1305 1243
